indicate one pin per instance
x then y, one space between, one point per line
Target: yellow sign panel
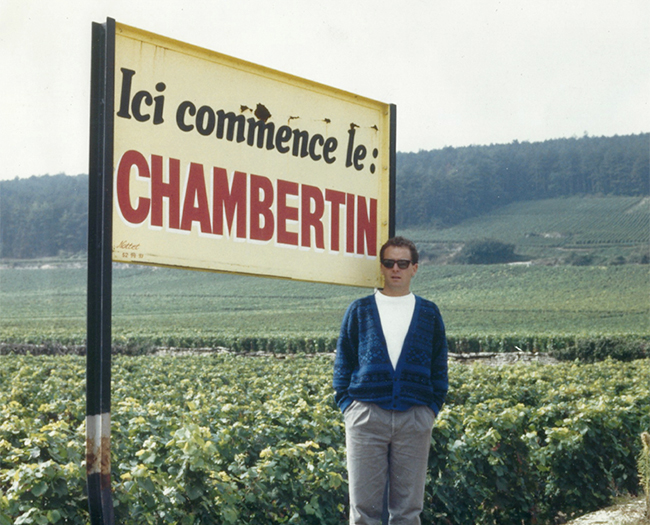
224 165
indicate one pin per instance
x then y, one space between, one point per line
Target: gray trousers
387 445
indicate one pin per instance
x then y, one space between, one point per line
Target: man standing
390 382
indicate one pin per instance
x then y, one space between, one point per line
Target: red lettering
312 218
349 225
336 200
261 219
366 226
230 200
138 214
244 206
169 190
195 205
286 213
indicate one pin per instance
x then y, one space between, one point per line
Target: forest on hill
43 216
444 187
46 216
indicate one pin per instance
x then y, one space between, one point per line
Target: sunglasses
402 264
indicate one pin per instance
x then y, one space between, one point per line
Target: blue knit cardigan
362 368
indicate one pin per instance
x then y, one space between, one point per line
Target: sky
461 72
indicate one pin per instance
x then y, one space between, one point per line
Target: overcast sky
461 72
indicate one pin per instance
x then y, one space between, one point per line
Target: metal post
98 342
392 171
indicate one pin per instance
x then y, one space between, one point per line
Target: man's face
397 281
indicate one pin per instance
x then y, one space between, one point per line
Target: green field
48 303
495 299
607 227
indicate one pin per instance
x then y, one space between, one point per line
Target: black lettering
255 131
203 127
300 137
283 135
263 128
185 107
330 146
136 105
232 119
359 154
158 104
348 157
125 95
312 146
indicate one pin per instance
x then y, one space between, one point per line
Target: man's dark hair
401 242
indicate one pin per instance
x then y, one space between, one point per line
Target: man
390 382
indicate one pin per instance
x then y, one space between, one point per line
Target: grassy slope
606 227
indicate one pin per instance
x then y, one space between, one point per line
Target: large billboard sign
199 160
223 165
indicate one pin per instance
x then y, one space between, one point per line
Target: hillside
445 187
47 216
573 230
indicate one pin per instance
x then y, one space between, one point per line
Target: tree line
47 216
443 187
43 216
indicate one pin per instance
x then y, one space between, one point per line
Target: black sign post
392 171
98 342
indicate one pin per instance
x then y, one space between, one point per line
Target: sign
223 165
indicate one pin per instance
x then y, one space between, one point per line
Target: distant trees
43 216
486 251
47 216
449 185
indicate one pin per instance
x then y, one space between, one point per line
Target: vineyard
164 307
224 439
231 440
45 302
563 221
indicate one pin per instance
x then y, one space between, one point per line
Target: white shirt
395 314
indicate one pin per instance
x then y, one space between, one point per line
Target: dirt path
629 512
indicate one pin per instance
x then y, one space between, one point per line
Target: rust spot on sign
262 113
